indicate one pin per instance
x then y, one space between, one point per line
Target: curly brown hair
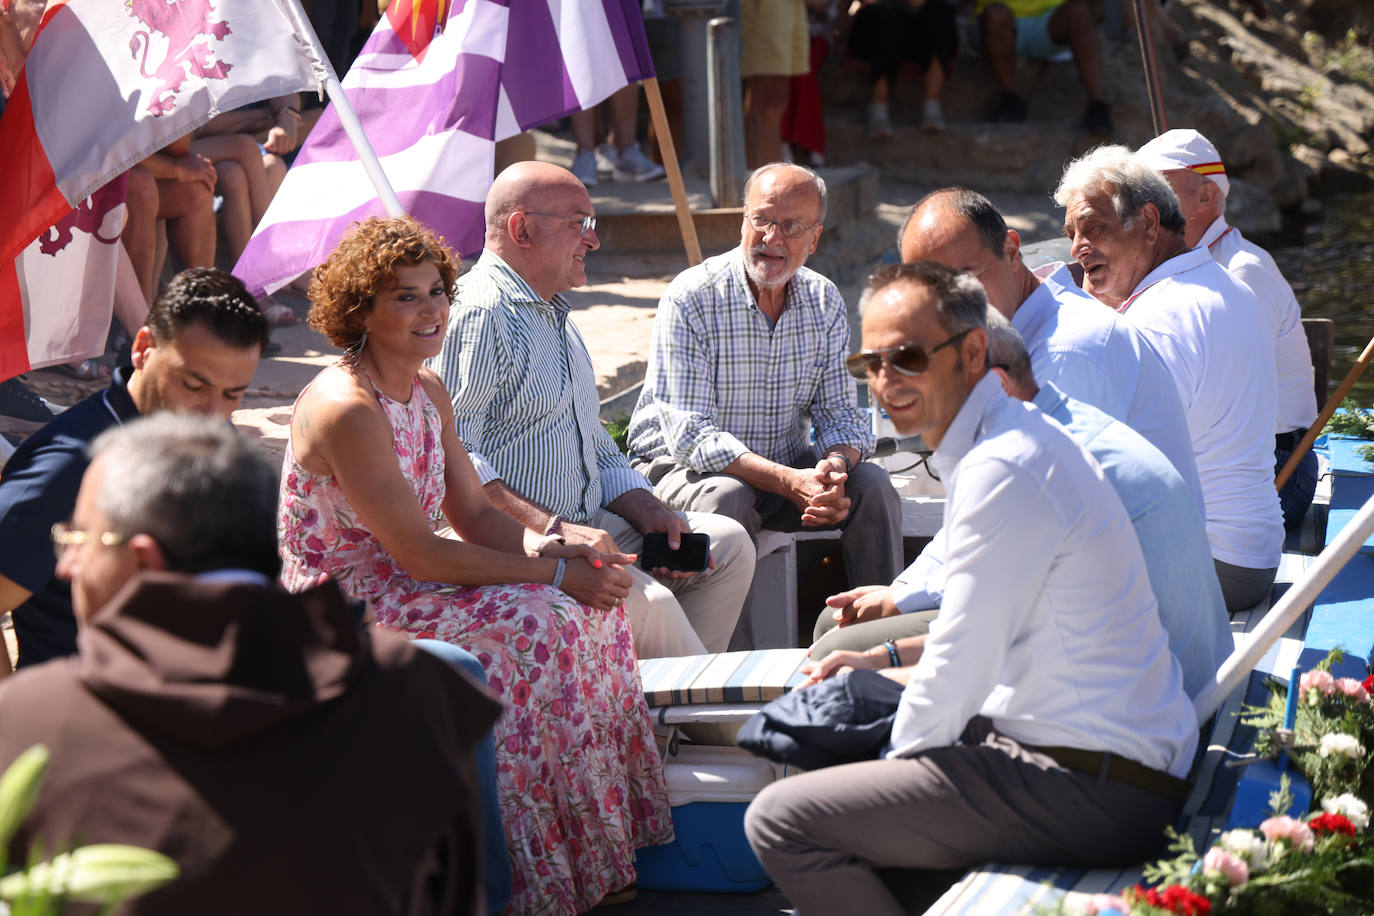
344 288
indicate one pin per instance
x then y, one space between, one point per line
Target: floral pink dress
580 781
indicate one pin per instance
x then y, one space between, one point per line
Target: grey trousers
1241 587
821 834
871 536
859 637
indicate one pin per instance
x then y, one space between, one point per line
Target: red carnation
1331 823
1368 684
1175 898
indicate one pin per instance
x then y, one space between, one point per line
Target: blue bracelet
892 653
558 573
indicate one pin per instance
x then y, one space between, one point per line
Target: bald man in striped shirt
525 399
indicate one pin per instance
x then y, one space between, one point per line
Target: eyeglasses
908 359
790 228
588 222
64 535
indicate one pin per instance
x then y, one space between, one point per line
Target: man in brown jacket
289 761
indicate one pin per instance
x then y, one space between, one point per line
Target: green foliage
619 428
1309 95
104 874
1320 714
1351 420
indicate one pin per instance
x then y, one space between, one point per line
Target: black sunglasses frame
866 363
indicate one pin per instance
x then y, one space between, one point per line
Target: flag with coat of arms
436 85
106 83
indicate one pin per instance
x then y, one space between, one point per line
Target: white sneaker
584 167
605 159
879 123
632 165
932 117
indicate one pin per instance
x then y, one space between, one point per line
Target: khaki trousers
689 616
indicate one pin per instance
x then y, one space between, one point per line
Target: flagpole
348 118
668 152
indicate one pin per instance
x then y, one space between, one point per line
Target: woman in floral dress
372 467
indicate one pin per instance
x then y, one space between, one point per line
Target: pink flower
1316 684
1221 862
1352 689
1298 834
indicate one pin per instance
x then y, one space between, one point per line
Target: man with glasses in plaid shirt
748 358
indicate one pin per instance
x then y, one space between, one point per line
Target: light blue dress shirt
1083 347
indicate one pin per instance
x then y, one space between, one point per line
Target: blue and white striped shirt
524 395
724 380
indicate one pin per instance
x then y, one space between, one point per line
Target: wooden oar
1347 383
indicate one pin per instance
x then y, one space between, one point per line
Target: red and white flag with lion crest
106 83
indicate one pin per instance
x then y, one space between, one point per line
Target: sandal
624 895
86 370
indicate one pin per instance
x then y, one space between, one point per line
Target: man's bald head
525 186
535 215
961 229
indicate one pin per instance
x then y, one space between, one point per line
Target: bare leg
130 305
235 214
933 80
584 128
275 167
624 111
188 208
139 237
998 26
243 150
765 98
1072 24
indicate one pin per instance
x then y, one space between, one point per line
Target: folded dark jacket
844 719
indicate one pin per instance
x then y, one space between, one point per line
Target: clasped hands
819 492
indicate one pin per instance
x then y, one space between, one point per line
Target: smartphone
690 557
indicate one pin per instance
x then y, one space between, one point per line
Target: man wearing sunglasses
1073 341
524 396
747 409
1044 721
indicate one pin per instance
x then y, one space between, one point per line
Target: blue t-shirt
38 490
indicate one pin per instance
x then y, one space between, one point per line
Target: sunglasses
908 359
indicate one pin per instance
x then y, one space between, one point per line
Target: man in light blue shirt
1172 538
1074 340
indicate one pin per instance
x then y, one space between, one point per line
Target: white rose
1356 811
1344 745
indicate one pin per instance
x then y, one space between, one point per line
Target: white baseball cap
1185 148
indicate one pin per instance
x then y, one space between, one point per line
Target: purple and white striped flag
434 113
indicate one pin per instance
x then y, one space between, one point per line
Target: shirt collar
1214 232
1193 257
514 288
1049 398
117 399
966 427
791 300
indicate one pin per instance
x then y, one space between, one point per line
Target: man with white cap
1126 230
1193 168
